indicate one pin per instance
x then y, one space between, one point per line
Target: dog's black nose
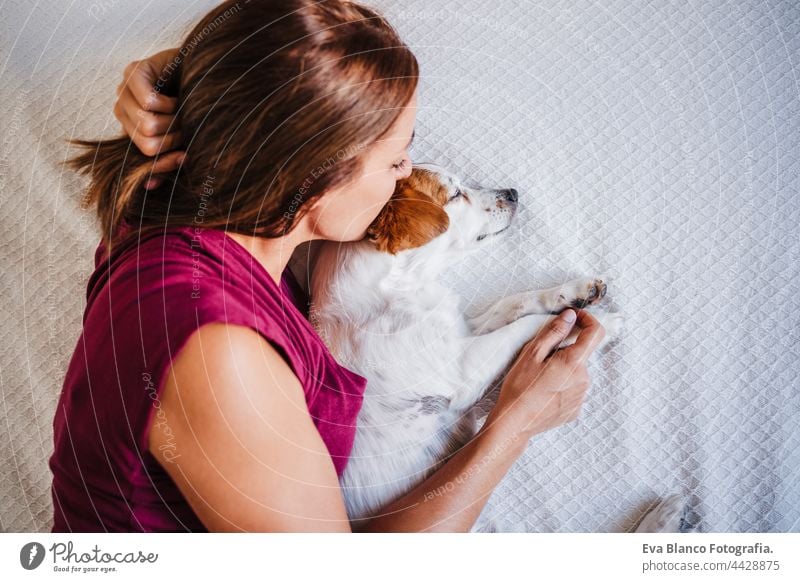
510 194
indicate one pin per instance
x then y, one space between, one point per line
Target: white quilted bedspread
656 143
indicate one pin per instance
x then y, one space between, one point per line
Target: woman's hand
147 116
543 389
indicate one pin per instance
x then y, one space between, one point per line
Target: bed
656 143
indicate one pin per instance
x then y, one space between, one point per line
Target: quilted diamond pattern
657 143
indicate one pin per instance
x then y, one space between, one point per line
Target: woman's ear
409 220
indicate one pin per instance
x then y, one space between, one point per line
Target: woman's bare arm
451 499
246 456
249 457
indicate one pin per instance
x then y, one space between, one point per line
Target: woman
198 397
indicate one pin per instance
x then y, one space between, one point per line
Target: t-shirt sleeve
171 312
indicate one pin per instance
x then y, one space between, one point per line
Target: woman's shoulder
181 278
171 281
174 245
184 260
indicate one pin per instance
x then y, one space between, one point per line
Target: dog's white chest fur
407 344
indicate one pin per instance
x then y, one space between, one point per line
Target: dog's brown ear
409 220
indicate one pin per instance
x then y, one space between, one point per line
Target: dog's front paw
584 292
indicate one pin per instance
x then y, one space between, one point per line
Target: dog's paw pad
592 292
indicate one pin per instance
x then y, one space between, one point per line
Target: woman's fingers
150 145
146 129
153 145
146 123
163 164
590 334
141 78
553 334
162 143
146 115
140 85
168 162
152 183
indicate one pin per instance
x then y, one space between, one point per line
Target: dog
381 310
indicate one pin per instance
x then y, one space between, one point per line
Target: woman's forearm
451 499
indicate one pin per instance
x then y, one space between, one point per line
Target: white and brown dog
381 310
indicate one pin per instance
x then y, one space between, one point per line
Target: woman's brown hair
276 100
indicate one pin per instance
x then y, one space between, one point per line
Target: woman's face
345 213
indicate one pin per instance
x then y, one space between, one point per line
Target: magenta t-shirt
142 306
